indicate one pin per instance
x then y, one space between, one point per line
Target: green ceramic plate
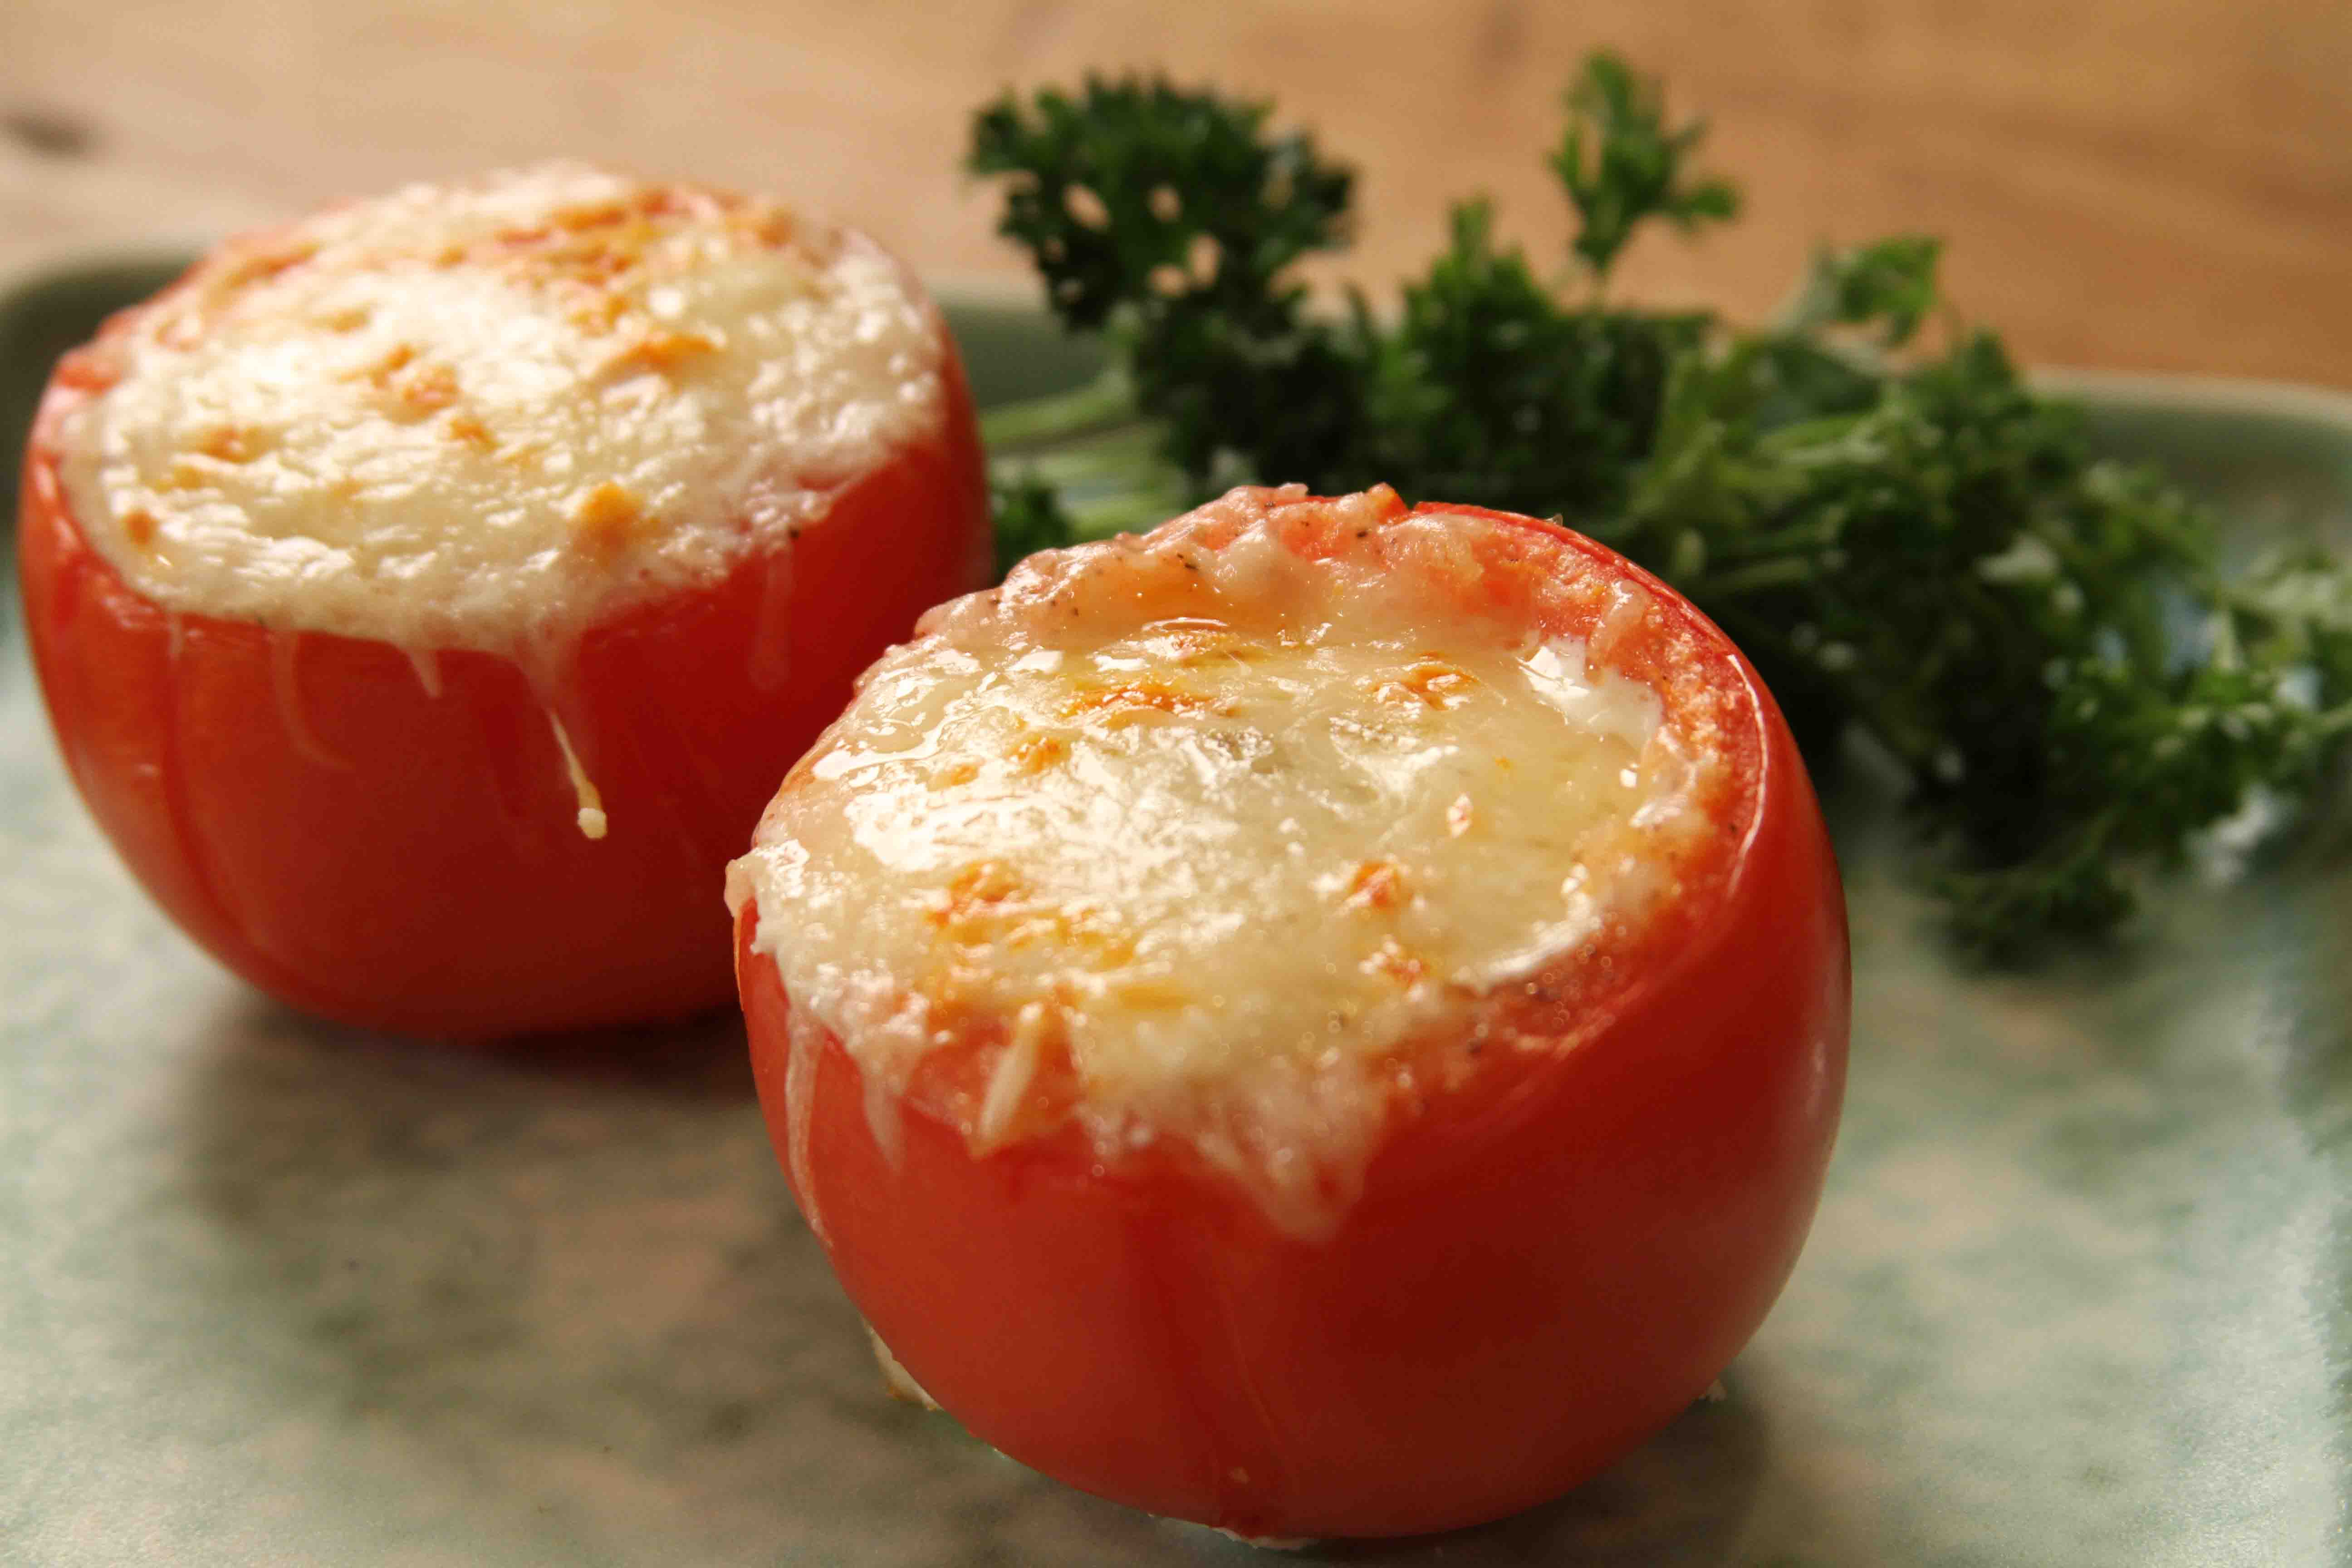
273 1292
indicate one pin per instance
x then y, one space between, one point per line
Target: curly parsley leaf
1486 386
1623 166
1173 218
1135 193
1889 284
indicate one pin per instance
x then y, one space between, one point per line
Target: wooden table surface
2157 183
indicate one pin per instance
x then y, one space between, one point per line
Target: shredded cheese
1224 826
459 416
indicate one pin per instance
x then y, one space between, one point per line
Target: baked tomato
428 595
1324 1020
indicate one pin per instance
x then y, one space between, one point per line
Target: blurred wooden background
2158 183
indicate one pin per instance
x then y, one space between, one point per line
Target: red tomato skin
1546 1265
363 850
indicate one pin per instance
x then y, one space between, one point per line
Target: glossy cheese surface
469 416
1216 826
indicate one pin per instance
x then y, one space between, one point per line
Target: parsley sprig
1910 543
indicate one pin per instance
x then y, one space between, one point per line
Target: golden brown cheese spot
605 521
263 266
379 373
424 390
1375 885
138 527
189 472
1429 683
774 226
989 904
662 353
233 444
1129 701
1036 752
412 389
600 244
979 889
598 311
466 428
591 215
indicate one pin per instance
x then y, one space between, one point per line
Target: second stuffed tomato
1328 1020
428 595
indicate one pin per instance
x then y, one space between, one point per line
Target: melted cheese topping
473 415
1221 828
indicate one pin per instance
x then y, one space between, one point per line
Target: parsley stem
1754 577
1104 403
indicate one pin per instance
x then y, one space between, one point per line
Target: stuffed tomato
1326 1019
427 595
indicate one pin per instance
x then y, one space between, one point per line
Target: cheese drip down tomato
427 593
1326 1019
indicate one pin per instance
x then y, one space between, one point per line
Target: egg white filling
477 416
1221 847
